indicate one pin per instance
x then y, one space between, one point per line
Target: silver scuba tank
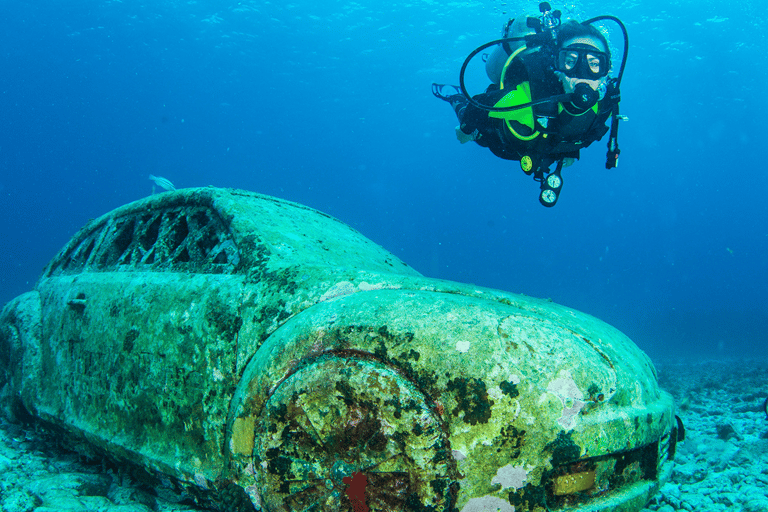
495 63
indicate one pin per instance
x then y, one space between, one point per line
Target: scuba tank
514 28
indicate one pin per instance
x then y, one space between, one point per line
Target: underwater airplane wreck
261 355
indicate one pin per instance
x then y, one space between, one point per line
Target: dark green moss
528 498
356 437
397 404
413 502
282 280
347 394
439 485
509 388
224 319
443 454
130 338
426 381
563 449
279 466
272 311
412 354
472 398
400 437
378 442
234 498
354 335
188 417
278 413
512 440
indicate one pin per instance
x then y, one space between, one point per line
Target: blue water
329 104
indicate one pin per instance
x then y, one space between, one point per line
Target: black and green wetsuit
547 132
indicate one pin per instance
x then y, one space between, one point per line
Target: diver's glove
466 137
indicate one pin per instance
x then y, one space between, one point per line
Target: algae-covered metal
266 356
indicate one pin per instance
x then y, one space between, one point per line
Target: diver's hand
466 137
568 161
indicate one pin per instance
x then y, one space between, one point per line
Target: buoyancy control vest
553 128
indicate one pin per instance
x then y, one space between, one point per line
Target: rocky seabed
723 462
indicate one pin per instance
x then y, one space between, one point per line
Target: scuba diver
550 96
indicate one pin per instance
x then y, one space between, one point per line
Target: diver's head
583 56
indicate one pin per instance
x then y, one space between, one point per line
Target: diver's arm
472 118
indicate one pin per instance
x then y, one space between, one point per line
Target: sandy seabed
721 466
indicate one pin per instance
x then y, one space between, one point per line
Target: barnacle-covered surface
519 393
341 415
261 349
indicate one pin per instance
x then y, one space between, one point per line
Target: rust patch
356 491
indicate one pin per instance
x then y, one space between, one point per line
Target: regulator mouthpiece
584 97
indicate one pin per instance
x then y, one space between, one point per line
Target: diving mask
583 61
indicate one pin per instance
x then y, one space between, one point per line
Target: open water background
329 104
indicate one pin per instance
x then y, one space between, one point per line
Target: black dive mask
582 61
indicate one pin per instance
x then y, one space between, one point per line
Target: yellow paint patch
576 482
242 436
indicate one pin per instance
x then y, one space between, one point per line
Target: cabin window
191 239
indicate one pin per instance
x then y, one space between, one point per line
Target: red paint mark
356 491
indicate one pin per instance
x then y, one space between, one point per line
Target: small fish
680 429
162 182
